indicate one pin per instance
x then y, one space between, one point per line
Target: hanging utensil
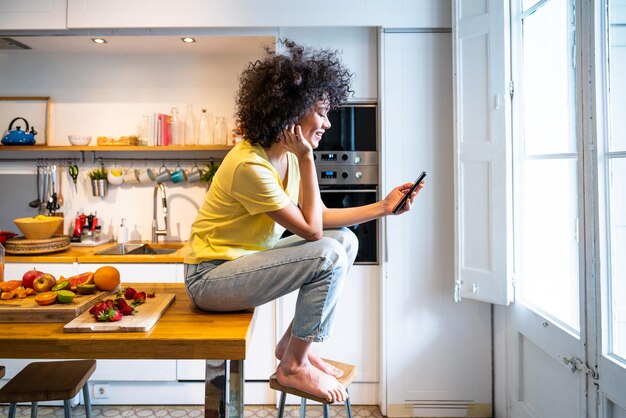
46 187
60 199
37 202
73 171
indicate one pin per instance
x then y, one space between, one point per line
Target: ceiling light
188 40
99 40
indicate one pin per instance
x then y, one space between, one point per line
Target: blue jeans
316 268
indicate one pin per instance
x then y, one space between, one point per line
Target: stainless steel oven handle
348 191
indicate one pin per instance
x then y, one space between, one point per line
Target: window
545 164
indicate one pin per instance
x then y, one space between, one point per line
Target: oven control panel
346 157
347 174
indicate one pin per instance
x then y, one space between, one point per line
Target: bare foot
314 359
310 379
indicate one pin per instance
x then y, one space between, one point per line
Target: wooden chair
349 373
49 381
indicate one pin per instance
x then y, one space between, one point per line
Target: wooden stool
349 373
49 381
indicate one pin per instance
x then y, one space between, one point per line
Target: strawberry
92 310
98 308
151 294
121 303
129 293
110 303
103 316
127 310
114 315
139 298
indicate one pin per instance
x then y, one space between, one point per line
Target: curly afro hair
281 88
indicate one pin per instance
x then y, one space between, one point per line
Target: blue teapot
19 137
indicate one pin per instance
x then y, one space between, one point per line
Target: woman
267 184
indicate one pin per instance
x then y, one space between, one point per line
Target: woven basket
21 245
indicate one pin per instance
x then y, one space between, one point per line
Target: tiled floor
263 411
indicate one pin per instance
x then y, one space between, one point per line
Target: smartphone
411 190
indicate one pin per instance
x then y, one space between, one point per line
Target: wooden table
183 332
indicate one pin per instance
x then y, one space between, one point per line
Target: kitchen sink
140 249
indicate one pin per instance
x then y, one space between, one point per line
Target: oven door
367 233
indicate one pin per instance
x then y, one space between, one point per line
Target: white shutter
482 152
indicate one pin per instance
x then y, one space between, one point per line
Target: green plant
98 174
209 172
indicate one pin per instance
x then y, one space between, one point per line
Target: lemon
65 296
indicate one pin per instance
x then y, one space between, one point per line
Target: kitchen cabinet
250 13
19 15
355 337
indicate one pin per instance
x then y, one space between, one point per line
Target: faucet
155 224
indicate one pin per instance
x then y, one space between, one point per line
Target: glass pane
527 4
548 239
617 90
548 96
617 285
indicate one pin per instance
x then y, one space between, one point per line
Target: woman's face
315 123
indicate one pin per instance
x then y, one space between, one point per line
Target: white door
610 344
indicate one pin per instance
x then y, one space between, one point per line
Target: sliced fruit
107 278
30 291
20 292
63 285
46 298
65 296
86 289
83 278
7 295
10 286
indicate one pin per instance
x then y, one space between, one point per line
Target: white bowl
79 140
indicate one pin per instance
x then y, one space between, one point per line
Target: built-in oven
346 161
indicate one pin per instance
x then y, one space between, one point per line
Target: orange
11 285
83 278
46 298
7 295
106 278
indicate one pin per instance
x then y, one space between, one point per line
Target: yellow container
38 227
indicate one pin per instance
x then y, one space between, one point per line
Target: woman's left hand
395 195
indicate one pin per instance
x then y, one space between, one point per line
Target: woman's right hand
294 141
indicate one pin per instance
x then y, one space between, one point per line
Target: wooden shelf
105 148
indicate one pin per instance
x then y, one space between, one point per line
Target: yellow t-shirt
232 220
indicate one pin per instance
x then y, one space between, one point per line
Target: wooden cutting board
147 315
27 310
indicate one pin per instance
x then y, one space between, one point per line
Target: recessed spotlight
99 40
188 40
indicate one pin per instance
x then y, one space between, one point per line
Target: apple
29 277
44 283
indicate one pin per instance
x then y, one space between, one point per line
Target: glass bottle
1 263
190 136
204 132
220 131
175 126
